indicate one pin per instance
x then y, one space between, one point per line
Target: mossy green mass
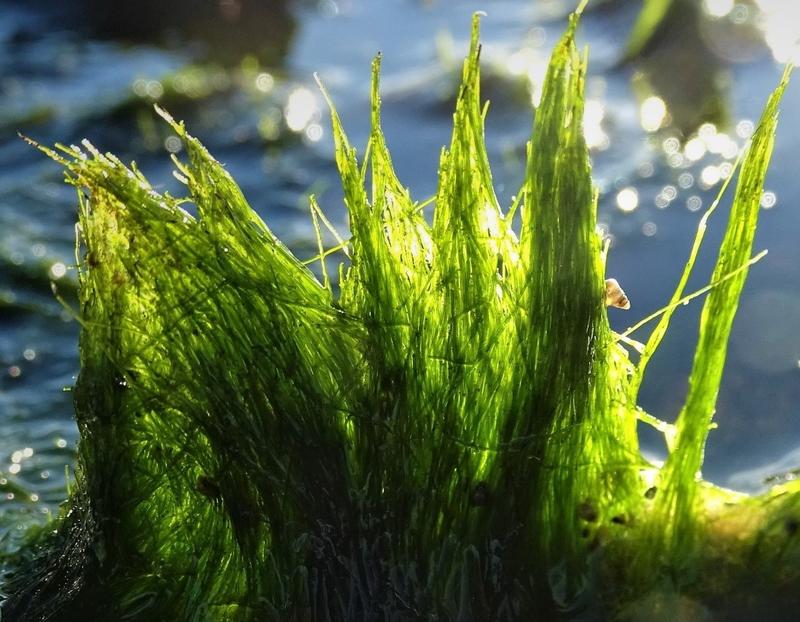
450 435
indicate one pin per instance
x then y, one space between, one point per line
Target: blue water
59 82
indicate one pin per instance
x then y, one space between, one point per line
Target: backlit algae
448 435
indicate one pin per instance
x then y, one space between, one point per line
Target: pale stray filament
615 297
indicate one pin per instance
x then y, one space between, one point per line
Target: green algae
450 436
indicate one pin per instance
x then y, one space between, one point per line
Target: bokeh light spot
695 149
718 8
710 176
653 111
628 199
264 82
768 200
58 270
649 229
694 203
300 109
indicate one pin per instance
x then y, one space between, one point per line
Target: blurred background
672 97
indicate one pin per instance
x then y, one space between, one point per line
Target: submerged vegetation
449 435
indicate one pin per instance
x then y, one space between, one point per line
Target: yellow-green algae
451 436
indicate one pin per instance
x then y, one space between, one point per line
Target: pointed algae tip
787 72
45 150
322 89
376 71
29 140
773 104
375 97
476 24
476 32
574 18
177 126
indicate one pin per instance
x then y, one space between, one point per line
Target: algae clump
450 436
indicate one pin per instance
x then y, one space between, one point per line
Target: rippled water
698 91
